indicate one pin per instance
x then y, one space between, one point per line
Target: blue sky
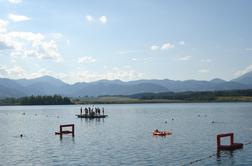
145 39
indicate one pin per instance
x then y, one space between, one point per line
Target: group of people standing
92 111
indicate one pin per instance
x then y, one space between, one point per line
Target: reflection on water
225 158
66 140
96 120
125 137
221 153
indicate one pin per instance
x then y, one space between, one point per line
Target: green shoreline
117 100
164 97
138 102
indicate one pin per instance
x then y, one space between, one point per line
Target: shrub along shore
37 100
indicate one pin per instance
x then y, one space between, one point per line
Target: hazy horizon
85 41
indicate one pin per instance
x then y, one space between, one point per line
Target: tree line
37 100
194 96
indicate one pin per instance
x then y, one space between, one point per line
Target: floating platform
91 116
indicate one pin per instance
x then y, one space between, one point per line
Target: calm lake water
125 137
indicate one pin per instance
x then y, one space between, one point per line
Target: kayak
161 133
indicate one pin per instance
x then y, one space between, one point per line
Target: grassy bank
127 100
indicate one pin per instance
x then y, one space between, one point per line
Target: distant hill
48 85
108 88
6 92
196 85
45 85
217 80
10 88
43 79
244 79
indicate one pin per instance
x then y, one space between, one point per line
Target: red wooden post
230 135
231 138
73 130
61 131
218 141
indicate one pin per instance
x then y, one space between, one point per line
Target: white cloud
43 72
68 42
244 71
18 18
123 73
17 72
15 1
3 71
89 18
126 52
56 36
142 60
166 46
103 19
184 58
206 60
204 71
3 46
28 44
154 47
86 59
3 25
248 49
81 75
12 72
182 43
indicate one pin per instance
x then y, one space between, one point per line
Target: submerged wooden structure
231 146
61 132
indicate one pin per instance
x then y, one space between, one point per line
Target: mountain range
48 85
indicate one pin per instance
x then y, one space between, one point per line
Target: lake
125 137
